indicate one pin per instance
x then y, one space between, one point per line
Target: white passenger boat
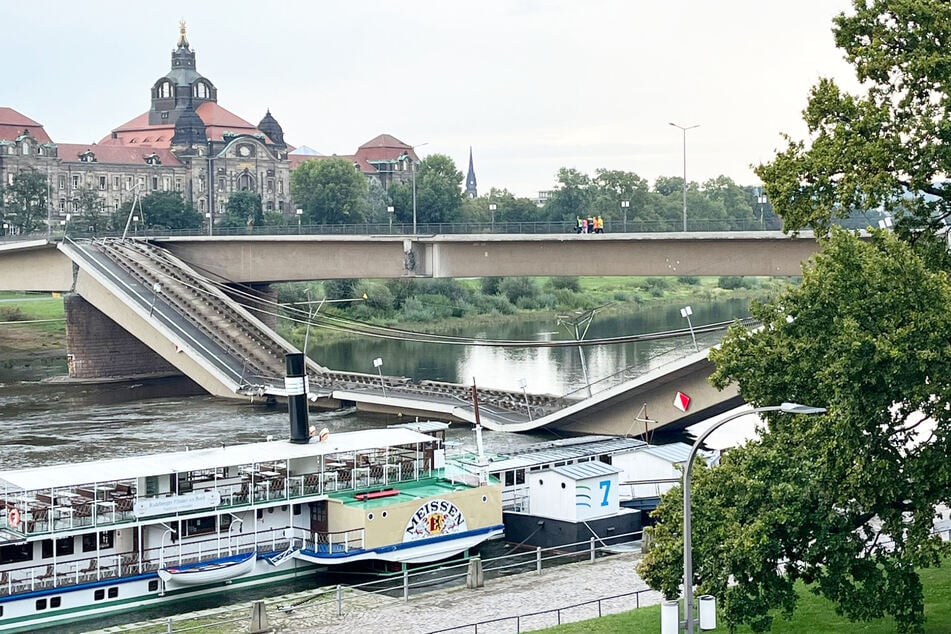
84 539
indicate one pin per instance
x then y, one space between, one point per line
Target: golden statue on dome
182 42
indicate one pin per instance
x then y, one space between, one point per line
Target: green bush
690 280
490 285
12 313
569 283
515 288
733 282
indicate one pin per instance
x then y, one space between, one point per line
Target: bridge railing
406 229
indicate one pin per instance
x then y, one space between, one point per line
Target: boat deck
405 492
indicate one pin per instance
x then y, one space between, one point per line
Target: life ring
13 517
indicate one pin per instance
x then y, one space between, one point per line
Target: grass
47 313
813 614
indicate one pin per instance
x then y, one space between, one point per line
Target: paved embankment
500 598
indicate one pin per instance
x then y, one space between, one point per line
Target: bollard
593 549
474 577
538 560
339 600
168 625
259 622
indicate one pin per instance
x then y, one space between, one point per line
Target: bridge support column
98 348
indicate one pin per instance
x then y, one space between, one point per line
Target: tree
330 191
882 150
88 209
573 197
244 210
168 210
819 499
27 202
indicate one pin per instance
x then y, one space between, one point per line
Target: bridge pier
98 348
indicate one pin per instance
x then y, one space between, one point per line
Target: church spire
471 191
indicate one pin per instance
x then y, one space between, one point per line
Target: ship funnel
296 385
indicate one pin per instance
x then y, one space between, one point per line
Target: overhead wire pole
581 319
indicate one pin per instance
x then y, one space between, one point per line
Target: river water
48 419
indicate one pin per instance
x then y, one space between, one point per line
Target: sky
530 85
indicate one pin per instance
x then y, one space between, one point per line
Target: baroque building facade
186 143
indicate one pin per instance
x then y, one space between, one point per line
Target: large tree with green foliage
330 191
844 502
888 149
243 211
27 202
167 210
438 192
89 212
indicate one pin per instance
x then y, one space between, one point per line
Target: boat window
151 485
153 585
297 509
64 546
509 478
105 541
606 458
55 601
16 553
99 595
41 604
113 592
207 524
520 476
1 610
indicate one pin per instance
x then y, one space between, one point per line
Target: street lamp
390 209
522 383
684 130
135 224
492 208
788 408
686 311
300 212
378 364
625 204
761 200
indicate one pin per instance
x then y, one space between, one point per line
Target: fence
334 600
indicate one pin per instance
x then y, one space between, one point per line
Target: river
48 419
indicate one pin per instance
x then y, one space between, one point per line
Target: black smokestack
296 385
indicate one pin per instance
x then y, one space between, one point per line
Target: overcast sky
530 85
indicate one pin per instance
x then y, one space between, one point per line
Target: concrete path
507 598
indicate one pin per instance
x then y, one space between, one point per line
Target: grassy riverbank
813 615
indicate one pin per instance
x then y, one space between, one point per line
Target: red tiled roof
114 154
385 147
217 121
13 123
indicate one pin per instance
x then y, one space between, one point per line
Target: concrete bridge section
116 314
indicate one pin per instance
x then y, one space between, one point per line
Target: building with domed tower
185 142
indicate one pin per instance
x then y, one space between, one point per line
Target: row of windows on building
244 181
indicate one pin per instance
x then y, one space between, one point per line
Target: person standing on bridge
578 228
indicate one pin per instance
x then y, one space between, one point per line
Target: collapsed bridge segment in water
134 308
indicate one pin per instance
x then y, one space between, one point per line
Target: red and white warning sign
681 401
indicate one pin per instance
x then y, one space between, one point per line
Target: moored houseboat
84 539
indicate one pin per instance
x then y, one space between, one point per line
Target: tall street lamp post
492 208
390 209
625 204
788 408
684 130
300 213
762 200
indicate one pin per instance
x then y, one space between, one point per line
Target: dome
272 129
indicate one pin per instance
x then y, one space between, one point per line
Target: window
113 592
204 525
165 114
75 181
151 486
105 541
62 181
115 182
41 604
99 595
221 184
153 586
64 546
166 183
128 183
62 205
201 183
155 182
16 553
55 602
178 184
102 183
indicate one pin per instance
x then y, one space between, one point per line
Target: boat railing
111 566
337 541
